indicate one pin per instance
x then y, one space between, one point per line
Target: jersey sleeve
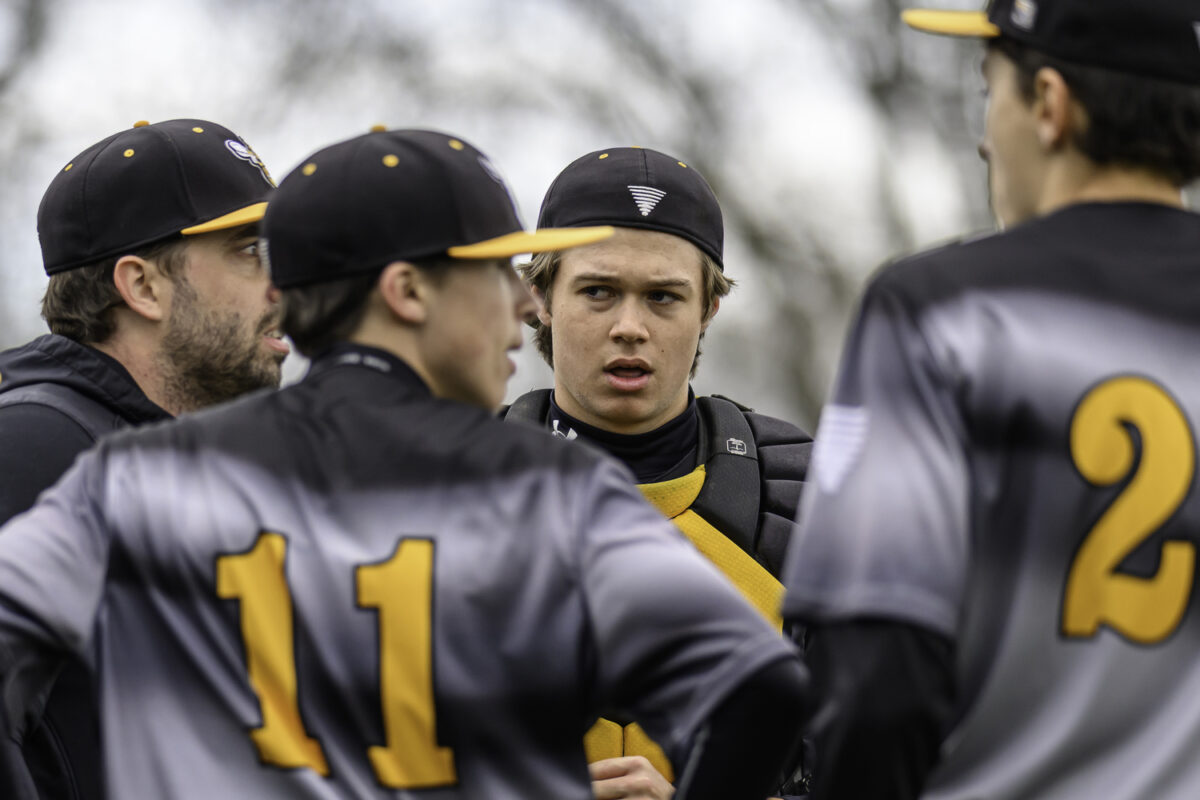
672 637
884 519
53 560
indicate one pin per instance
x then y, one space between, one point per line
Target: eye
249 249
597 292
663 297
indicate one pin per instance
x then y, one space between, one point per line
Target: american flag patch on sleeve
839 442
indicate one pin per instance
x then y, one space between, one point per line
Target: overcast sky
109 63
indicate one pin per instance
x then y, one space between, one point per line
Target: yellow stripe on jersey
676 496
674 499
757 585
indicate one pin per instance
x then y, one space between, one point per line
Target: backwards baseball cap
386 196
634 187
1152 38
139 186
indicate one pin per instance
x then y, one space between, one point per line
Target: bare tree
630 72
27 23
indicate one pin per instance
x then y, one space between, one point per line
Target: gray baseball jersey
1009 460
351 589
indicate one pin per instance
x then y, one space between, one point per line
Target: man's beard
207 355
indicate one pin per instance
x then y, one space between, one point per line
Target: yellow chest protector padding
674 499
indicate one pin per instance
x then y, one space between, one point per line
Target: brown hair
540 272
1132 120
318 315
79 303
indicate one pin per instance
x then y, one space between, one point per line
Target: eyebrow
607 277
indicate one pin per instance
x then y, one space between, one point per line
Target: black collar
348 355
666 452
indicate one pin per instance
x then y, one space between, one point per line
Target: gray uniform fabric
1008 461
554 594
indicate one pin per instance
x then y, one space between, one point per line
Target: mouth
275 343
628 375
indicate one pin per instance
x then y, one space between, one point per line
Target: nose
629 326
273 294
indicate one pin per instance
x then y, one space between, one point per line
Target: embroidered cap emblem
646 197
242 151
1024 14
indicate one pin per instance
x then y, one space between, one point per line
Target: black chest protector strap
92 417
729 500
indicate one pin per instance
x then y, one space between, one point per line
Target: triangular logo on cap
646 197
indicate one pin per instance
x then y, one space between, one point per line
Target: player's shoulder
519 443
1024 255
948 267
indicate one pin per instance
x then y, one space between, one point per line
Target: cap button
377 128
141 123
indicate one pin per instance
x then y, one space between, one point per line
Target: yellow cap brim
538 241
950 23
234 219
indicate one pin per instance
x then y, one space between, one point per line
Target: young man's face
222 331
625 322
475 316
1010 145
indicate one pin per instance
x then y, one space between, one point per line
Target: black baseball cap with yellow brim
149 183
397 195
1150 38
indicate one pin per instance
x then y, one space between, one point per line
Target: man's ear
712 312
405 292
543 311
143 287
1056 112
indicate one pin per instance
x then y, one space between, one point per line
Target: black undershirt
668 451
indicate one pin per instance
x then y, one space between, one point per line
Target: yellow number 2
401 588
1145 610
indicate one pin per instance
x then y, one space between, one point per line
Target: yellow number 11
401 589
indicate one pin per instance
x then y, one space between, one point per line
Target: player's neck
1081 181
135 351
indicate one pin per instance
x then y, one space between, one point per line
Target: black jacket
56 398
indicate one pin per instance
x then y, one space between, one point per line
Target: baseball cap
138 186
385 196
1151 38
635 187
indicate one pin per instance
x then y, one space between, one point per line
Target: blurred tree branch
29 20
648 87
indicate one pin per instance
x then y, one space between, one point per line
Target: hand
629 777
